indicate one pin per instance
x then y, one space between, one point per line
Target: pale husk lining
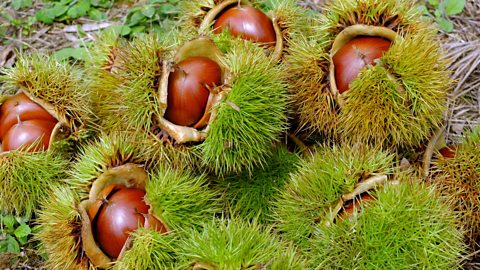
368 184
206 25
436 143
60 131
198 47
202 266
345 36
129 175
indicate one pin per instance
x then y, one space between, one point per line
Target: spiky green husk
150 250
458 178
27 177
101 66
180 199
401 111
251 117
407 226
137 99
59 227
108 151
320 182
237 244
395 103
250 195
60 85
307 76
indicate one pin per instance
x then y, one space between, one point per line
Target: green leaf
434 3
102 3
3 246
74 53
19 4
9 222
423 9
59 9
96 15
45 16
125 30
168 9
12 244
138 29
148 11
136 17
22 240
22 231
453 7
438 13
78 10
445 25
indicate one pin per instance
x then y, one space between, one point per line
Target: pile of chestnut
24 124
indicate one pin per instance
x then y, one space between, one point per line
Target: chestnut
20 107
353 56
189 89
117 212
25 133
448 151
248 23
354 205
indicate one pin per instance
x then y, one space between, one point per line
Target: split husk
457 178
407 226
239 131
322 183
287 17
177 198
58 88
396 103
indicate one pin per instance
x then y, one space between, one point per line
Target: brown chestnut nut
188 89
248 23
448 151
353 56
20 107
354 205
117 212
25 133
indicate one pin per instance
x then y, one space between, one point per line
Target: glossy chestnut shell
354 205
355 55
248 23
24 134
189 89
20 107
448 151
117 212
